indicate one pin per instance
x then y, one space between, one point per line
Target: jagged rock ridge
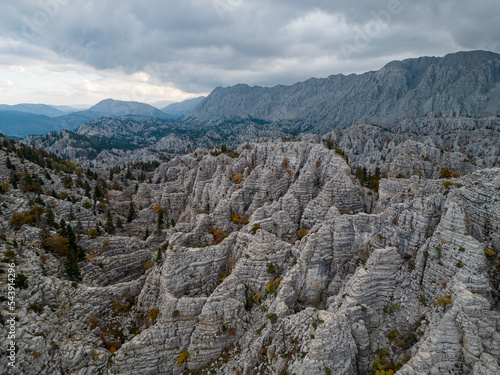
464 82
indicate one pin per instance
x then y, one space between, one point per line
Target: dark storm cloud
197 45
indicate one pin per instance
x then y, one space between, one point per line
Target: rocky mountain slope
180 109
433 142
464 82
274 259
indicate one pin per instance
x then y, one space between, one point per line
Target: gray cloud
196 45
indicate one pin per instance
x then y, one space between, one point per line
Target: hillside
116 108
21 124
466 82
177 110
36 109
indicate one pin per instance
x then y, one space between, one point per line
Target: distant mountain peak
35 109
122 108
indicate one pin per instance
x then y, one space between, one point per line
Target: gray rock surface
464 82
272 261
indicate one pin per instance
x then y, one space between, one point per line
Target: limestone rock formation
271 259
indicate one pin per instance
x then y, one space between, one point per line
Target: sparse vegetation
183 357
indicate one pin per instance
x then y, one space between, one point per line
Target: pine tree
146 235
109 227
63 230
87 189
71 265
131 213
71 237
97 192
71 216
119 223
51 219
13 179
160 221
79 229
44 234
128 175
10 165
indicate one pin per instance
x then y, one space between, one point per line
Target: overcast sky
83 51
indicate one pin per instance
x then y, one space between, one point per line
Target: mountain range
463 83
36 109
467 83
263 233
22 120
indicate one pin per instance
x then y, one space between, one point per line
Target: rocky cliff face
272 260
464 82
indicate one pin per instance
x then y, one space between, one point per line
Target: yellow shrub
489 252
58 244
93 233
153 313
443 301
302 233
272 287
183 357
238 178
235 218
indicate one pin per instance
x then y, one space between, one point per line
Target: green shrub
36 307
392 335
255 227
21 281
272 317
259 331
271 269
447 184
